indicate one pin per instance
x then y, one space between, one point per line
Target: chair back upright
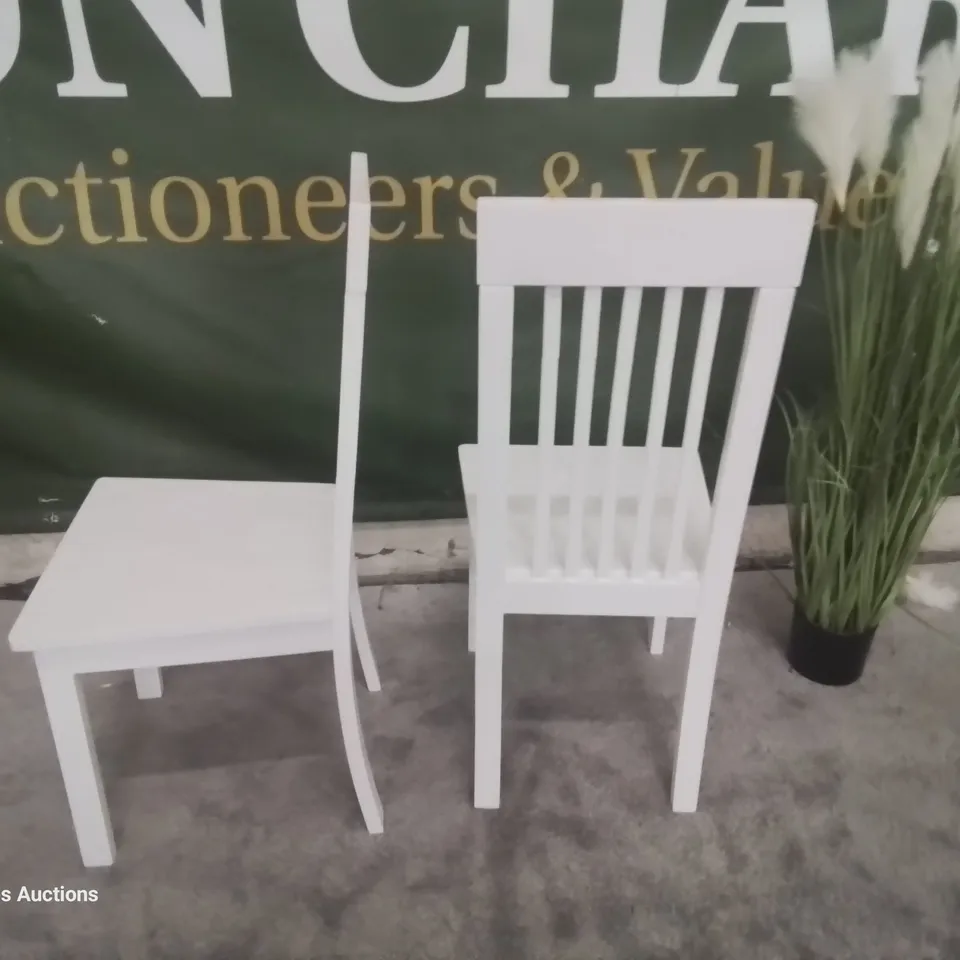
351 370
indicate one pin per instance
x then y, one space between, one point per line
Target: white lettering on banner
199 48
809 39
903 29
9 35
642 23
86 82
529 53
328 30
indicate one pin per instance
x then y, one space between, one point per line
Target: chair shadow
219 715
762 607
593 670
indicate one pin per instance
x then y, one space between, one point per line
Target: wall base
437 550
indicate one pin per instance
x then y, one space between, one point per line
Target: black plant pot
825 657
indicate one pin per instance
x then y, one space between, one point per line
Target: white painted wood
70 725
658 636
766 332
493 432
488 704
524 483
628 598
472 602
582 418
616 422
693 425
361 638
641 538
656 422
546 434
639 242
161 572
149 683
287 639
353 742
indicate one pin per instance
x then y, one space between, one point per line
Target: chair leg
658 636
471 604
697 696
363 782
368 663
488 706
67 713
149 683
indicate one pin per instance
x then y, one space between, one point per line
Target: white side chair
156 573
609 529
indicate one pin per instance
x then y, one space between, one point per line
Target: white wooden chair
609 529
154 572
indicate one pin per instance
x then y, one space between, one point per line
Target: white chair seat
523 482
149 559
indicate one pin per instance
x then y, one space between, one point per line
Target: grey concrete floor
829 824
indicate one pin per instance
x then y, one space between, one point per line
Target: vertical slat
693 425
495 368
659 399
622 372
586 376
547 432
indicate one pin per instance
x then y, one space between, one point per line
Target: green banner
173 179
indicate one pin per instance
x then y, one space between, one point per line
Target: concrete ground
829 824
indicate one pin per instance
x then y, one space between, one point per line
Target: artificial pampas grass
926 144
847 115
822 115
923 151
871 464
939 77
871 80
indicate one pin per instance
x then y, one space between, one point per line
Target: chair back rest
351 364
635 244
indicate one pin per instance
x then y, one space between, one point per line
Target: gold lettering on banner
644 170
690 155
794 184
158 209
233 189
828 208
303 205
433 207
728 179
469 201
862 197
14 210
428 188
128 210
81 184
764 168
398 198
557 187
